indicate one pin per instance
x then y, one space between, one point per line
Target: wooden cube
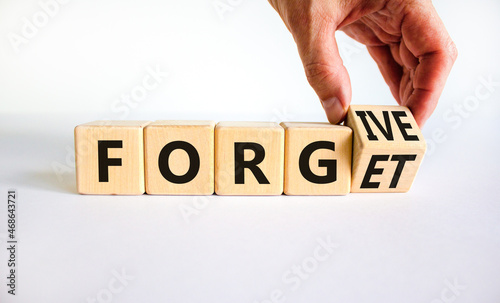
387 150
249 158
110 157
179 157
317 159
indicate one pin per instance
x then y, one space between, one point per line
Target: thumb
324 69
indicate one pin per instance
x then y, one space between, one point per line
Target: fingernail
334 109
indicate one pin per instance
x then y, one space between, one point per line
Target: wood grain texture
266 134
298 136
124 179
200 135
387 151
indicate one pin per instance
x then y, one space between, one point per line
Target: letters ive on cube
388 148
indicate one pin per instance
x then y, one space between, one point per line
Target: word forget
379 149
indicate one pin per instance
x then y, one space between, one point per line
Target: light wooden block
317 159
387 150
110 157
249 158
179 157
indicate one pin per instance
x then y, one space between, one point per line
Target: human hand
406 38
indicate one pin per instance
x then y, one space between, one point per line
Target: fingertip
420 115
334 109
421 121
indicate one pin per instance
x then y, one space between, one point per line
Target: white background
242 65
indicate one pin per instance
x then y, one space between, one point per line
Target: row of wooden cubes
379 150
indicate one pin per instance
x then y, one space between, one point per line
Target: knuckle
317 72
